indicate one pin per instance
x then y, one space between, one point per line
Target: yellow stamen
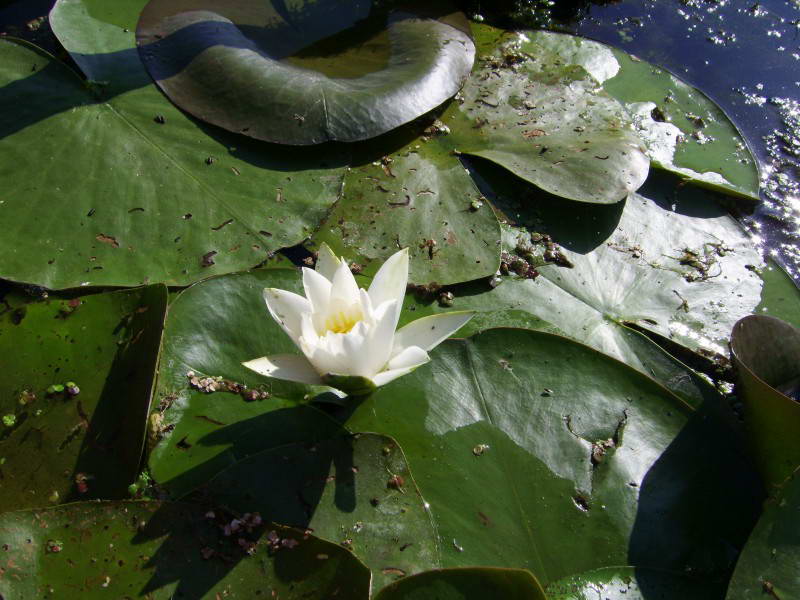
341 321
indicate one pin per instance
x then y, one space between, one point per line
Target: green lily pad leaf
516 436
766 352
164 550
767 567
466 584
77 381
212 411
780 297
350 384
496 308
685 131
150 197
419 197
356 491
307 72
99 37
669 260
633 583
530 110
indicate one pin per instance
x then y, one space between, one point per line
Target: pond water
743 55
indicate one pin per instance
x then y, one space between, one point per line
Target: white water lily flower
346 332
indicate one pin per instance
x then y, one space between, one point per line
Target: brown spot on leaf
107 239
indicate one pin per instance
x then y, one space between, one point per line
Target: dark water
745 55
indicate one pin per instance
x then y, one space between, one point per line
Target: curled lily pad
306 72
766 352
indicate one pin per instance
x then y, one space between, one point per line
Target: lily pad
685 131
547 120
77 382
419 197
515 437
766 352
465 584
780 297
514 305
205 425
355 491
632 583
163 550
151 196
767 567
305 72
669 260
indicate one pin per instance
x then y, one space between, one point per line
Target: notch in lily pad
306 72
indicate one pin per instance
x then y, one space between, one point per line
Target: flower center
342 321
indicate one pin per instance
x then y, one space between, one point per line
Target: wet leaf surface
465 584
631 583
421 197
78 376
780 297
306 72
669 260
589 462
165 550
687 133
356 491
766 352
547 120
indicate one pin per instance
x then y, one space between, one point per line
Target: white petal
412 356
429 332
327 262
345 288
309 339
390 281
366 307
377 348
328 356
291 367
286 308
318 290
386 376
357 353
